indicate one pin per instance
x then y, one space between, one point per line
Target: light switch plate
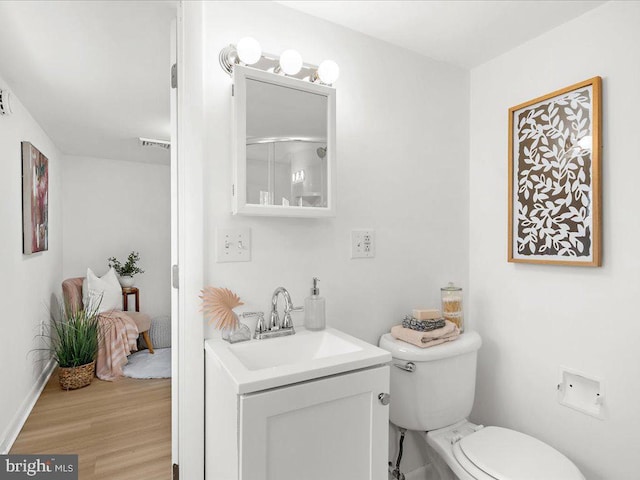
233 244
363 243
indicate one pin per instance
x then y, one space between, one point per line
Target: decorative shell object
218 305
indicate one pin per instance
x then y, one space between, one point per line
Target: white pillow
105 290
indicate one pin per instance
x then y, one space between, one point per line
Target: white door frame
188 246
173 99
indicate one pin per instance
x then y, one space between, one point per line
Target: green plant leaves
130 267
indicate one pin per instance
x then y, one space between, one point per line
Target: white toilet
432 391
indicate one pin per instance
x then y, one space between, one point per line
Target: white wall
533 319
402 130
27 282
112 207
402 170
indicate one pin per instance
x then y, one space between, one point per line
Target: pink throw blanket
118 338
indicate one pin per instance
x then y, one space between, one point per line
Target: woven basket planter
72 378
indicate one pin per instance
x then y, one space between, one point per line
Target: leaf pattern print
553 176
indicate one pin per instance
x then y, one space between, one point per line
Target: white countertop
269 363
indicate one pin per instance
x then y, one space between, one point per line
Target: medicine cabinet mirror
284 145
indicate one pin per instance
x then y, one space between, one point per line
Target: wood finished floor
121 430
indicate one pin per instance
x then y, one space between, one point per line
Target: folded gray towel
422 325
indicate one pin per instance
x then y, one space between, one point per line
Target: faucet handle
286 321
274 321
260 326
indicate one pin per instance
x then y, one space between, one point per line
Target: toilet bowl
432 391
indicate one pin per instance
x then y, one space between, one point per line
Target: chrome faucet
275 328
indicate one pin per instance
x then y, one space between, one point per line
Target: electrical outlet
363 244
42 327
233 245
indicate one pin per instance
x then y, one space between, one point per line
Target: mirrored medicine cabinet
284 145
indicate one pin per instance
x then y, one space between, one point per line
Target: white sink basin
274 362
293 349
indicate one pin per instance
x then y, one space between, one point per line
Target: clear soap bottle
314 309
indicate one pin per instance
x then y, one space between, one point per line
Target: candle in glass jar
452 305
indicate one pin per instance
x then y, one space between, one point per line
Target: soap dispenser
314 311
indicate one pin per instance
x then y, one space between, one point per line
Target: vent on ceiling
151 142
5 102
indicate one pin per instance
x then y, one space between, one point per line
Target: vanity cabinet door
324 429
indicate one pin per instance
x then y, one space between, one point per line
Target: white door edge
190 245
174 250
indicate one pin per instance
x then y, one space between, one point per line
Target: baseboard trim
12 431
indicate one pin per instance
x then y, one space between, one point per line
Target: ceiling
465 33
95 74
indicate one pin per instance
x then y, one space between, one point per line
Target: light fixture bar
228 57
268 62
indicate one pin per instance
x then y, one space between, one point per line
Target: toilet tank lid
506 455
467 342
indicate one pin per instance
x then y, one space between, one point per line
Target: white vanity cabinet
331 426
328 428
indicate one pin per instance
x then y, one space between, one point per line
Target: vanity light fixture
249 52
328 72
290 62
298 177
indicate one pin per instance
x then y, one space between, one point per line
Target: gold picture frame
554 177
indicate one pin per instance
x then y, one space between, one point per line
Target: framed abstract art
35 200
554 177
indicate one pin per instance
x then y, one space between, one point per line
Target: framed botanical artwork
35 200
554 177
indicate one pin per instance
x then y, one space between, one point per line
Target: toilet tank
440 390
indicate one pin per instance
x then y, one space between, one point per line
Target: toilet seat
503 454
468 466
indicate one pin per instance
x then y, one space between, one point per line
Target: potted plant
74 340
128 270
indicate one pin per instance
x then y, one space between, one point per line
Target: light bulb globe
290 62
249 50
328 72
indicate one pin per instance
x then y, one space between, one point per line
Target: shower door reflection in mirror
284 144
291 171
